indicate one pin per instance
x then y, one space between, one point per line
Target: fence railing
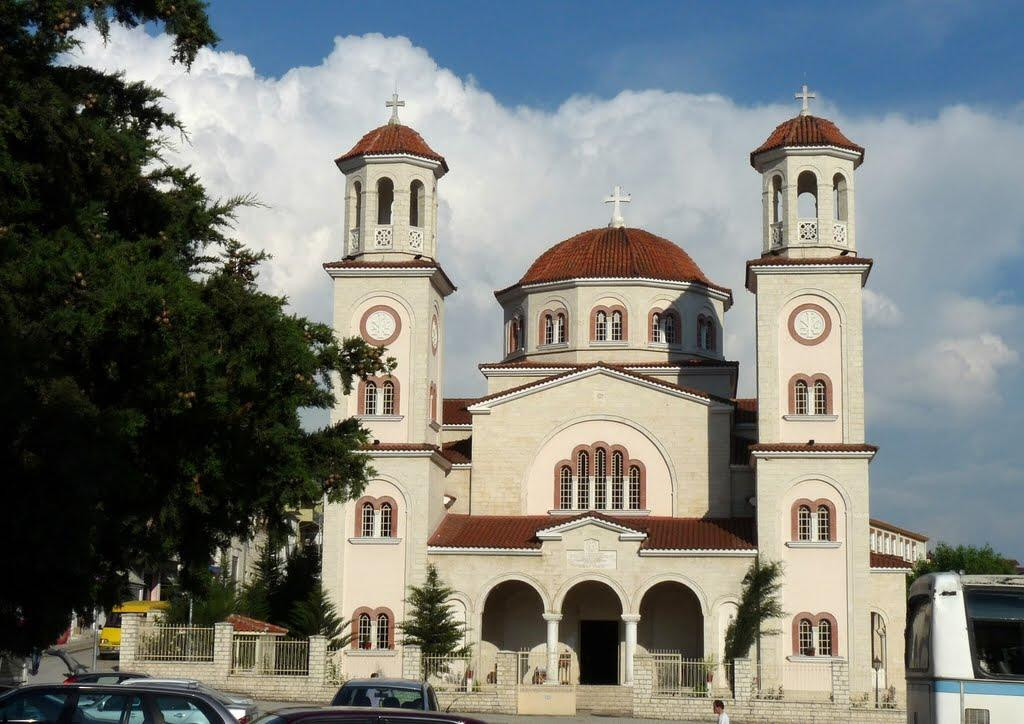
795 681
458 673
533 667
676 676
175 643
258 655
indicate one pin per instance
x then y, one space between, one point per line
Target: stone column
743 678
840 681
318 659
631 620
223 642
507 685
412 664
129 640
552 620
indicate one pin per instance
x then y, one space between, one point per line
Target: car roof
112 688
302 712
380 681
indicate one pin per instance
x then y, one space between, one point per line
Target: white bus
965 650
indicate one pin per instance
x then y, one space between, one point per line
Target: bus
110 635
965 649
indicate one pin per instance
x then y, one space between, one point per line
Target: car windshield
997 625
373 695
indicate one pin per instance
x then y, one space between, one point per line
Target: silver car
242 708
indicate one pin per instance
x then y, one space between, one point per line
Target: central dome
615 253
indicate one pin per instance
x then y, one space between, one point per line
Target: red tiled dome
807 131
393 138
616 253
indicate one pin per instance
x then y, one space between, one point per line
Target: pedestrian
719 707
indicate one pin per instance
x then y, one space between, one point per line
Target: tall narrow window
513 336
601 325
565 488
657 332
365 631
807 195
370 399
383 631
600 478
367 520
824 523
582 481
634 487
824 637
357 189
386 527
704 334
387 398
806 638
800 398
803 523
670 328
618 488
617 326
820 398
385 201
433 402
839 197
549 329
560 328
416 203
776 205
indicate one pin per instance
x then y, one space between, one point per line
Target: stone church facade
608 493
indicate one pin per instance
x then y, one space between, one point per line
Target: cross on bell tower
805 96
394 104
615 199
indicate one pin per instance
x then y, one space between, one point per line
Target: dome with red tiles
806 131
392 138
615 253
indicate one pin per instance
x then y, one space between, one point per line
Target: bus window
919 633
996 619
113 620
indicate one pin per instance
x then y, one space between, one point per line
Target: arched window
565 488
657 331
616 326
367 521
776 200
824 523
805 639
560 328
820 397
433 402
582 481
634 487
416 203
365 631
705 333
670 328
386 527
387 398
370 399
600 478
839 197
824 637
807 195
357 189
385 201
383 631
601 325
617 482
514 336
549 329
803 523
800 398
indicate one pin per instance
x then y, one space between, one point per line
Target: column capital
552 617
631 617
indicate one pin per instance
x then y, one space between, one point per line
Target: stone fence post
841 681
129 641
412 663
318 659
643 684
507 685
743 677
223 643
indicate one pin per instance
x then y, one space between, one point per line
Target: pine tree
431 624
318 616
759 604
261 593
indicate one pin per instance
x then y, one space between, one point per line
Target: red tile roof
532 364
453 410
520 531
896 529
458 451
409 264
617 253
401 447
253 625
818 447
884 560
809 261
389 139
746 409
807 131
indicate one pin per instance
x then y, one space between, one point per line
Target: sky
540 108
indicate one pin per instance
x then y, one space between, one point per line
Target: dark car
86 703
362 715
389 693
103 677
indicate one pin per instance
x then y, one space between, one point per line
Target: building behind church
607 495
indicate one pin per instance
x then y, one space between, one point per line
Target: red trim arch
391 624
376 503
379 381
810 380
608 311
664 312
814 620
355 627
554 312
708 319
591 450
794 518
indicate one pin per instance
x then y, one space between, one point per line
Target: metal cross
805 96
615 199
394 104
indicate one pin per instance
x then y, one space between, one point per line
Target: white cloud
880 310
964 370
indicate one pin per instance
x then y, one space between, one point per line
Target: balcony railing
353 240
839 233
776 233
808 230
383 237
416 239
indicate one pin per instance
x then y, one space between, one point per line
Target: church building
607 494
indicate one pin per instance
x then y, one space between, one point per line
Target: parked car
391 693
93 704
103 677
241 707
361 715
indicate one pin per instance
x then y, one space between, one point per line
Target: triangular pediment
557 529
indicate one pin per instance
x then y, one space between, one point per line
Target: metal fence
676 676
795 681
175 643
260 655
458 673
533 667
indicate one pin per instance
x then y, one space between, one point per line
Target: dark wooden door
599 652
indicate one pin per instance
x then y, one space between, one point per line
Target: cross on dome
805 97
394 104
615 199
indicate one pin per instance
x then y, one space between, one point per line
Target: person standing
719 708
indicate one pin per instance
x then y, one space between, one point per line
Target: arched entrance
592 627
513 617
671 620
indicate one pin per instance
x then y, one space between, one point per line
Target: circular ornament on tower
809 324
433 334
380 325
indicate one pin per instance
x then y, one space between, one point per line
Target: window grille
560 329
803 523
565 488
824 637
583 481
820 398
617 326
806 638
634 487
370 399
670 329
600 326
704 333
800 398
656 330
383 631
367 520
549 329
365 633
824 524
387 398
385 520
600 478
